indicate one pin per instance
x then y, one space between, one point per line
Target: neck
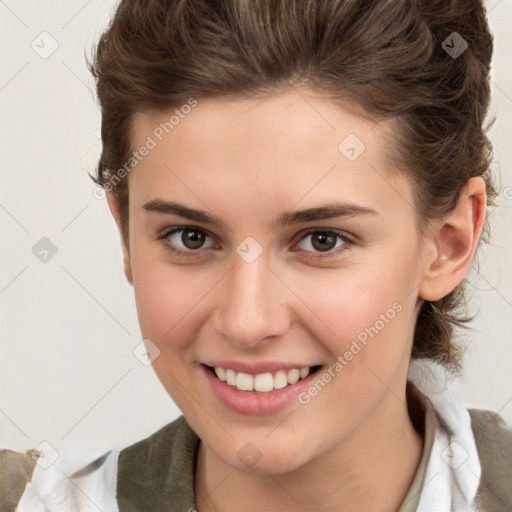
371 469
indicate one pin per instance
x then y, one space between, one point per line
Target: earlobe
113 205
128 267
455 241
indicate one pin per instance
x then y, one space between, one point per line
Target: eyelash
193 253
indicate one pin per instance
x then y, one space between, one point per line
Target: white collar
453 471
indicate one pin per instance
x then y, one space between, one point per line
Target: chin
267 457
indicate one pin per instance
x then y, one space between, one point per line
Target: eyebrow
328 210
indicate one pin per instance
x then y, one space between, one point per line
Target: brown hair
388 59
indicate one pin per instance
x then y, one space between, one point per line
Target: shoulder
158 468
15 472
143 474
159 445
78 481
493 439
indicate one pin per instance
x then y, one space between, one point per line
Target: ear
454 241
113 205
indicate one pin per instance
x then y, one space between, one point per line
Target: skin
245 161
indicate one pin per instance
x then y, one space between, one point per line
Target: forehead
222 123
281 148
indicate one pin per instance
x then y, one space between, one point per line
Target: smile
262 382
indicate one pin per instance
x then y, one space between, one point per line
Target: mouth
267 382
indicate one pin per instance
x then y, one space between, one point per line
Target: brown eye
192 239
185 241
323 241
188 242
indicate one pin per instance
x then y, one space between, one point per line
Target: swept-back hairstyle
399 60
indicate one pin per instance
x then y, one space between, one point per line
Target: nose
253 304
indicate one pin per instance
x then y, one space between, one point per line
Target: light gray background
69 326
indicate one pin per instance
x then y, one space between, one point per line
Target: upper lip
256 368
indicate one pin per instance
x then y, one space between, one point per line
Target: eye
325 241
186 241
190 238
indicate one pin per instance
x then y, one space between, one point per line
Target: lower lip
253 403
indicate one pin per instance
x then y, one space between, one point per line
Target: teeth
280 379
244 381
293 376
231 377
221 373
263 382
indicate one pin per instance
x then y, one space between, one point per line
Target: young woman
300 189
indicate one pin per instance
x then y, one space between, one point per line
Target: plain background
69 325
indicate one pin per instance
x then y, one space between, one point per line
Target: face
266 290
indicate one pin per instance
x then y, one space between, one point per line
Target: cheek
168 300
367 320
162 298
364 313
346 300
